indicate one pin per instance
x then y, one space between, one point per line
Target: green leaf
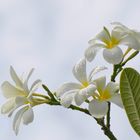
130 93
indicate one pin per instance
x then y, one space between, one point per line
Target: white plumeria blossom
78 92
132 35
112 53
19 96
98 107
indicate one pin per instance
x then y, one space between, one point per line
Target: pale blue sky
51 35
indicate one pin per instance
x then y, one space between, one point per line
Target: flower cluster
19 98
71 91
95 91
110 42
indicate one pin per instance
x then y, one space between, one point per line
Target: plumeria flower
132 35
78 92
98 107
111 42
19 97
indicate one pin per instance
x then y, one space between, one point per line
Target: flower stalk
116 70
95 92
105 128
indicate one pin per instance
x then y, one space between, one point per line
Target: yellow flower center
113 42
85 84
102 96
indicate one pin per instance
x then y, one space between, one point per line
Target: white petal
81 96
79 99
35 85
131 38
131 41
113 56
15 78
21 101
28 116
89 90
118 24
91 51
17 119
10 91
67 99
136 35
67 87
112 88
29 75
84 93
116 99
95 71
8 106
103 36
98 109
100 83
79 70
120 27
136 44
116 35
92 42
27 79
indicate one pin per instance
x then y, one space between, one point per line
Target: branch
106 130
116 70
108 116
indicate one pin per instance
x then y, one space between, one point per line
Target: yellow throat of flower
110 41
104 95
113 42
85 84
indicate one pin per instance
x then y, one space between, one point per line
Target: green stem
130 57
106 130
108 116
116 70
113 76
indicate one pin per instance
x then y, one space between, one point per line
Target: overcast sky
51 35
